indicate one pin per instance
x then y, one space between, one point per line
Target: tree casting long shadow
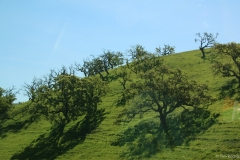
146 138
47 146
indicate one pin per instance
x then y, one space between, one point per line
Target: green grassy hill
21 139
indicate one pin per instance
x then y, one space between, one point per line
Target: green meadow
204 134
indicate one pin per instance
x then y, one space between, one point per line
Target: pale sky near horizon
39 35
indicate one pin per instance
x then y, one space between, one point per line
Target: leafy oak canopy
141 60
161 90
62 97
103 63
125 75
231 53
166 50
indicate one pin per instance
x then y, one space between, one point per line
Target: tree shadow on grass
15 126
48 146
230 89
146 138
19 120
187 125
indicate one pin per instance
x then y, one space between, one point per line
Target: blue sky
39 35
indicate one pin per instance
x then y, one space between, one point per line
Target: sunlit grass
221 138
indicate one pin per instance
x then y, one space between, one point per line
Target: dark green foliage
7 97
103 63
124 75
112 59
231 68
81 139
163 90
62 97
142 60
87 68
160 89
137 52
99 67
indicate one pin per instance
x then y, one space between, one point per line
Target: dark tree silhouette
166 50
206 40
62 97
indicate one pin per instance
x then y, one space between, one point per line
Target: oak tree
163 90
112 59
142 60
166 50
229 64
62 97
206 40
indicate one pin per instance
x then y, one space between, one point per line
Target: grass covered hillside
197 134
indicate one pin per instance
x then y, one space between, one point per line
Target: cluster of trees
103 63
62 97
109 60
163 90
229 63
140 59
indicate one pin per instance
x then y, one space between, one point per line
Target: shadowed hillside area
167 106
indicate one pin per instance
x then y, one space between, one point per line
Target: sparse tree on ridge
112 59
103 63
87 68
206 40
137 52
142 60
98 67
166 50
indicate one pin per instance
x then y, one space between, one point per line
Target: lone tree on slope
162 90
206 40
166 50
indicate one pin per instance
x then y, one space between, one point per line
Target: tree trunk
106 70
203 53
101 76
163 123
164 126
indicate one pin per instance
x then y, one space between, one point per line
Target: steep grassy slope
216 141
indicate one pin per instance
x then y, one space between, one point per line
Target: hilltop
216 138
